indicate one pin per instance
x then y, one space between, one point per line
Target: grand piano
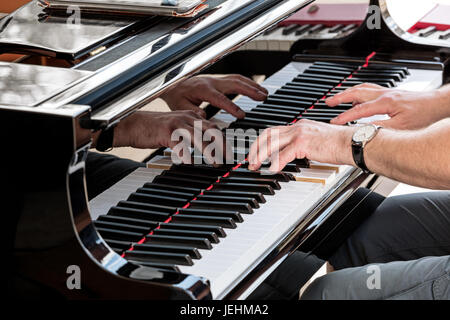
175 231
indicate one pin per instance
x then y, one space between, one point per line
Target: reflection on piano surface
184 231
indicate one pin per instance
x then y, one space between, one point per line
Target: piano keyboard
281 38
433 33
319 21
218 223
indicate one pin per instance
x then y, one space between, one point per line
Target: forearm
420 158
443 101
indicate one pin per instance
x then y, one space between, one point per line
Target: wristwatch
361 137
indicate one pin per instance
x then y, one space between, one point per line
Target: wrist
443 99
344 154
123 133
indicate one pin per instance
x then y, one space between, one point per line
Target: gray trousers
402 251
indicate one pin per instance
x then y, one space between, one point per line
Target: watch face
364 133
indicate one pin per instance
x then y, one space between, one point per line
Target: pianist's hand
189 94
148 130
305 139
407 110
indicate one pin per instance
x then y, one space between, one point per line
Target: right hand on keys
408 110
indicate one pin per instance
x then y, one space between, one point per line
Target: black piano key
374 75
166 193
299 93
259 197
290 167
366 71
224 208
117 250
278 111
138 213
211 236
202 220
193 175
330 72
319 91
146 206
180 226
302 163
345 106
119 235
335 28
181 182
302 29
317 80
315 118
164 266
284 177
348 27
266 122
156 199
198 242
351 83
127 220
250 201
255 114
163 257
427 31
282 107
264 189
307 84
330 110
336 64
206 173
375 80
317 28
334 111
206 211
242 124
271 30
288 102
290 29
199 169
118 245
319 114
253 180
375 67
335 91
121 226
321 76
157 247
445 35
158 186
348 69
291 97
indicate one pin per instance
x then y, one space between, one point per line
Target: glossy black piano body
48 222
49 226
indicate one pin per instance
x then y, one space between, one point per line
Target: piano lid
122 84
28 85
72 34
32 29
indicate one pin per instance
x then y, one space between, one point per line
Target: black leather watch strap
105 141
358 156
